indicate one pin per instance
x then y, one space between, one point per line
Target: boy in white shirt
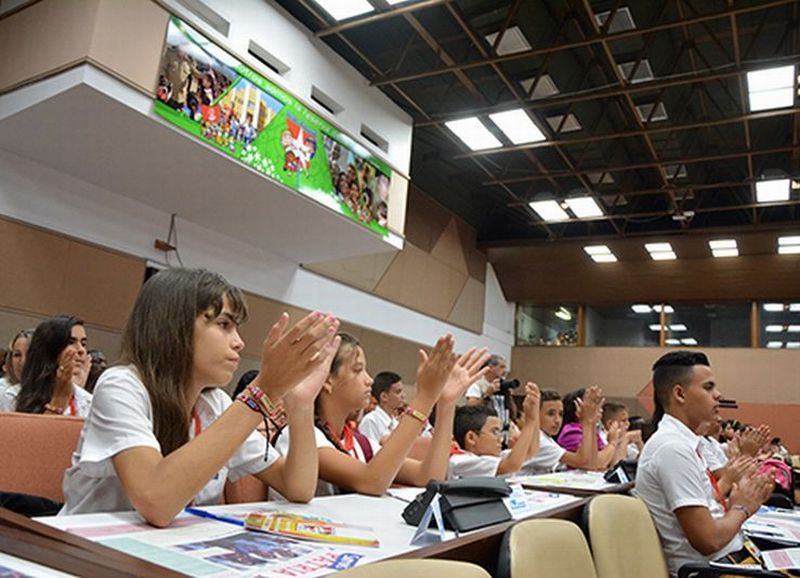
388 390
479 431
695 521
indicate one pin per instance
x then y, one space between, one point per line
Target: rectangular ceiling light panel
343 9
473 133
517 126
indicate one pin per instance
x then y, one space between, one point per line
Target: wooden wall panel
362 272
449 248
468 309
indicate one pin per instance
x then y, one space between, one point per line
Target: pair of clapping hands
589 409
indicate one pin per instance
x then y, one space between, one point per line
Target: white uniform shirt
547 459
323 488
377 424
83 400
122 418
469 465
713 453
672 475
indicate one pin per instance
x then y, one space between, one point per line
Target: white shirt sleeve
468 465
681 480
372 426
546 459
282 443
474 391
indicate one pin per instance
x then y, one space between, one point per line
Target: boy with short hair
388 390
478 432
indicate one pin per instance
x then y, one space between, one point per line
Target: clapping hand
466 371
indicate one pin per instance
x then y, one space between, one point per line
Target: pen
211 516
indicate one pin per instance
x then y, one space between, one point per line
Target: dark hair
244 381
383 382
159 341
611 408
570 409
38 377
670 369
494 359
470 418
13 378
96 369
550 395
348 345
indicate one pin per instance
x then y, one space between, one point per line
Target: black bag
622 472
467 504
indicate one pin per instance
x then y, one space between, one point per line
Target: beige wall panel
263 313
34 265
468 309
44 37
420 282
426 220
99 285
128 39
476 263
387 353
747 375
361 272
449 248
398 196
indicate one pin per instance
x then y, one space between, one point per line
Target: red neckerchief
197 426
714 484
72 405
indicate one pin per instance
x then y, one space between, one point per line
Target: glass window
622 325
710 325
553 325
780 325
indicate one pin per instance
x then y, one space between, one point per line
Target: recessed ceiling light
771 88
623 20
597 249
584 207
673 341
774 344
774 328
663 256
563 314
610 258
667 309
793 345
549 210
517 126
513 40
772 191
342 9
773 307
473 133
677 327
655 327
790 240
723 244
641 308
789 250
658 247
721 253
794 307
689 341
794 329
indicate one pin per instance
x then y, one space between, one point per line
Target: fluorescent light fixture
720 253
773 307
772 191
773 328
791 240
677 327
655 327
793 345
771 88
794 329
789 250
667 309
584 207
657 247
610 258
774 344
663 256
473 133
517 126
641 308
794 307
689 341
562 313
673 341
549 210
597 250
723 244
342 9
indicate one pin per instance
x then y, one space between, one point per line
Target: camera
507 385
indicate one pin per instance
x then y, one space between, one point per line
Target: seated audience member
572 432
348 460
55 362
486 391
98 365
478 432
162 434
15 359
387 388
550 456
695 521
618 412
777 449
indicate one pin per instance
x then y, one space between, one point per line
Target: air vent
325 101
211 17
643 72
598 178
570 125
622 20
675 171
267 58
513 40
544 88
644 112
374 138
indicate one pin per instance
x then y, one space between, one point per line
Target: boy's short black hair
550 395
674 367
470 418
383 382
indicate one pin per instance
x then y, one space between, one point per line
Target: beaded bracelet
246 398
53 409
417 415
262 398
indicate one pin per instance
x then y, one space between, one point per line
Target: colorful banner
208 93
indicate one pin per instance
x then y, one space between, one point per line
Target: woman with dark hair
348 460
571 436
54 362
162 434
15 359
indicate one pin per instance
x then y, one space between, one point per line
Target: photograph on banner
210 94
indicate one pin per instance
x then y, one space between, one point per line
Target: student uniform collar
679 428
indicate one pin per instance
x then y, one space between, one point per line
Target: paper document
782 559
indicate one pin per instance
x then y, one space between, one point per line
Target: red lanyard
72 408
714 484
197 427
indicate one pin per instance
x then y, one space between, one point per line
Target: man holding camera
494 391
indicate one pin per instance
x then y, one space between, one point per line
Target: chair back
421 568
35 451
624 539
546 548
